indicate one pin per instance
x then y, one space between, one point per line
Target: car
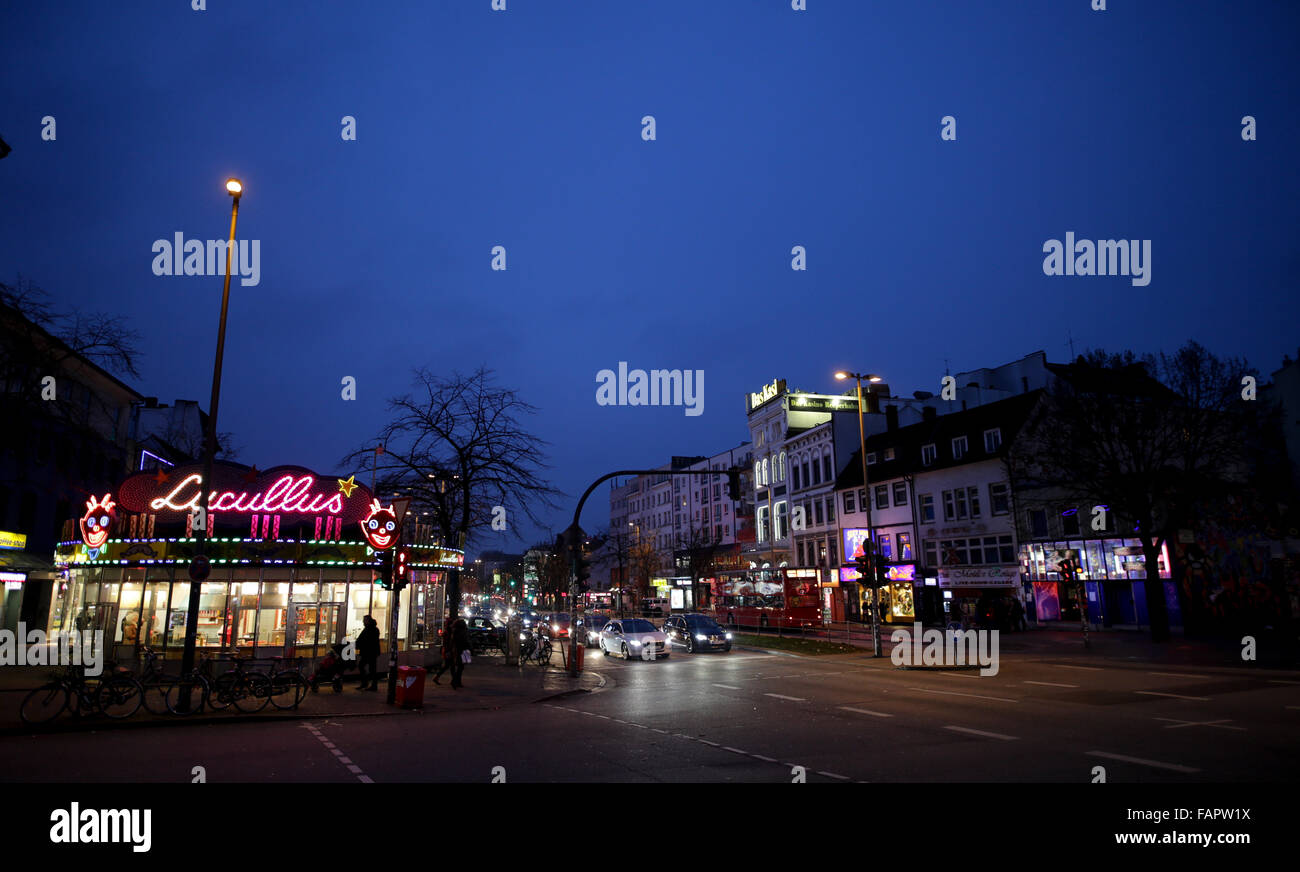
632 637
485 634
593 624
556 625
696 632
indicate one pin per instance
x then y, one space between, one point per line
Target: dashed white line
1178 674
1221 724
1172 695
338 755
1084 668
782 696
1175 767
961 675
734 750
365 779
1050 684
354 769
862 711
833 775
764 759
955 693
983 733
707 742
727 686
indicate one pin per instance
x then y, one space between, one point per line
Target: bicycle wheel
221 692
44 703
252 692
288 689
119 697
155 694
197 689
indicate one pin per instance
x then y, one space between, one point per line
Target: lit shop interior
300 577
1113 573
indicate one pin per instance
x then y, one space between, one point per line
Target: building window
794 477
973 495
904 546
1000 498
886 547
882 497
900 493
931 549
760 524
782 520
782 474
834 552
889 454
1038 522
850 504
807 479
826 467
830 510
992 440
928 454
817 507
959 448
927 507
816 471
1070 522
871 458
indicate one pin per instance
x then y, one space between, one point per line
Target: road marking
618 720
338 755
833 775
955 693
1172 695
861 711
1178 674
1138 760
791 698
354 769
365 779
329 744
1177 724
1051 684
336 752
707 742
734 750
1085 668
657 730
727 686
764 759
344 760
960 675
981 733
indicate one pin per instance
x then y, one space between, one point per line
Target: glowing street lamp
866 485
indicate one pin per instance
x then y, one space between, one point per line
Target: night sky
522 128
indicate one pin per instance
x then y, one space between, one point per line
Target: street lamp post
866 486
199 566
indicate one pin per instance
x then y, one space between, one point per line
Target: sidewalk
1112 647
489 684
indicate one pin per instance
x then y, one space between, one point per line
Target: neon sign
98 520
380 527
284 490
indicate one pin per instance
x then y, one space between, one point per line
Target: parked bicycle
114 694
190 692
248 690
535 648
288 686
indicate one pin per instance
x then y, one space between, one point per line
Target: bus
785 597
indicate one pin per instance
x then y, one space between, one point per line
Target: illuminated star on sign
346 486
160 476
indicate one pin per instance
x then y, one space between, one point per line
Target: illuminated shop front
897 600
291 572
1113 575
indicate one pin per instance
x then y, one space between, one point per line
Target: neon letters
288 494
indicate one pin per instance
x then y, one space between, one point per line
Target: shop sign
906 572
284 490
766 395
979 576
13 540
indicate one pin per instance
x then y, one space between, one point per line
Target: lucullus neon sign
287 495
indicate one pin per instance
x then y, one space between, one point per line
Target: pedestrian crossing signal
401 574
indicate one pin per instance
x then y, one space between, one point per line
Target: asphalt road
750 716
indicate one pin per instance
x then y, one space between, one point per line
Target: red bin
410 686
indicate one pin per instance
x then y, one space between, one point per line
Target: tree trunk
1154 586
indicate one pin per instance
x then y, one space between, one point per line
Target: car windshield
701 624
638 625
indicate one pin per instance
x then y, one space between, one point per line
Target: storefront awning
26 563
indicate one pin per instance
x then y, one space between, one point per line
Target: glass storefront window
358 602
273 612
214 614
131 592
245 585
153 609
379 604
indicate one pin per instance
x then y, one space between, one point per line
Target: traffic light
582 570
385 569
882 575
1067 569
401 573
733 484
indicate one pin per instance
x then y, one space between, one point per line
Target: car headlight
701 636
728 635
634 642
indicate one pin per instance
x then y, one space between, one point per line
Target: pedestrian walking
1018 621
446 649
459 651
368 653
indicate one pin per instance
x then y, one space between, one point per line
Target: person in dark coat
446 649
459 645
368 653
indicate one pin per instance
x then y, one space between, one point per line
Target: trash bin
410 686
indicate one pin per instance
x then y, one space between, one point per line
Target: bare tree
1143 438
457 447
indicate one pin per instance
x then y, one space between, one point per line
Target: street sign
200 568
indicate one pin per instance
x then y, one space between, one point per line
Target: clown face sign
98 520
380 528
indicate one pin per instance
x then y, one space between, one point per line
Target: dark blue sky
522 128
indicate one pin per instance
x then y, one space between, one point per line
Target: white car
633 638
